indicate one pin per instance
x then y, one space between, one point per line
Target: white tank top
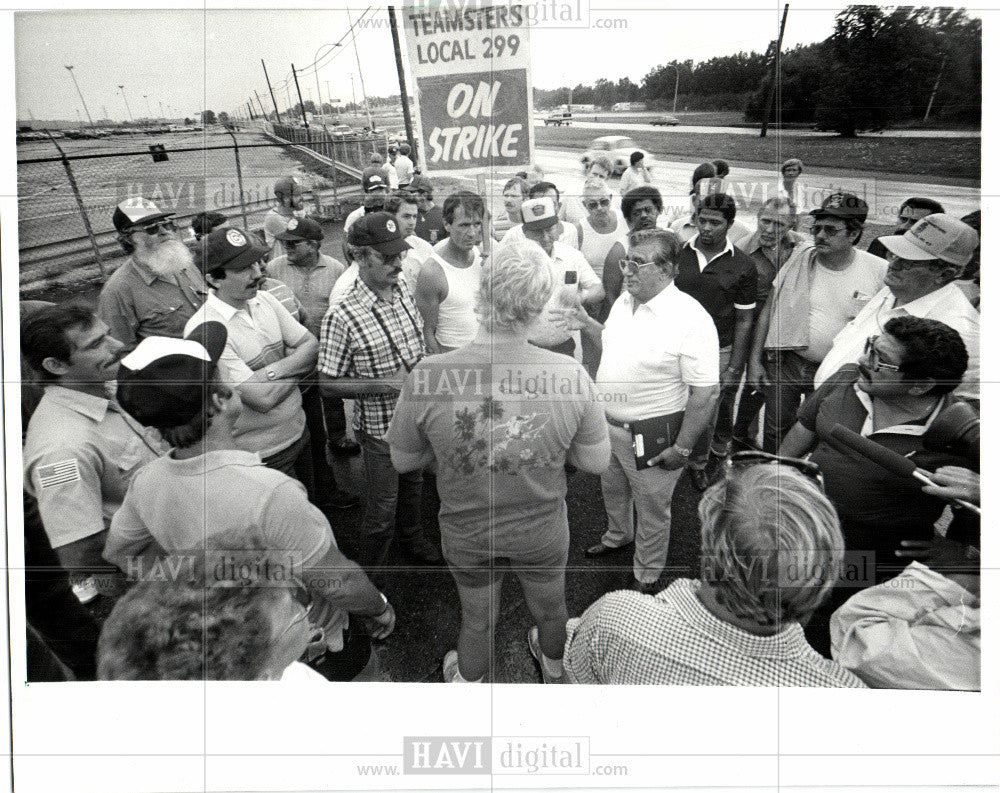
596 245
457 324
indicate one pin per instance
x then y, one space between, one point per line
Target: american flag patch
58 474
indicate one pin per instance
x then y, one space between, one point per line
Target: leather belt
616 423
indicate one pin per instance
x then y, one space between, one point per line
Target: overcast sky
191 59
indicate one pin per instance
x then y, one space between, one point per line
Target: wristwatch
385 604
270 374
681 450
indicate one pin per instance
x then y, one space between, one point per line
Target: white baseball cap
935 237
539 213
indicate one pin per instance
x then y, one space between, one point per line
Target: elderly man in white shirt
660 362
923 265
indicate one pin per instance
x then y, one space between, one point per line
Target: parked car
558 119
618 148
666 120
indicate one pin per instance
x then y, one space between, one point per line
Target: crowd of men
187 425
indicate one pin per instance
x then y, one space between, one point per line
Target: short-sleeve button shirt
80 454
354 343
652 354
259 335
726 283
136 304
311 285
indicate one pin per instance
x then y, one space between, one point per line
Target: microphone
888 459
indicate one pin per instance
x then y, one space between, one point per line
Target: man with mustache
158 289
267 353
81 449
818 291
641 207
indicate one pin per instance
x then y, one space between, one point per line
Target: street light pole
149 110
130 118
677 82
318 92
85 110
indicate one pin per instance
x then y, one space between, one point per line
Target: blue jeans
392 502
791 378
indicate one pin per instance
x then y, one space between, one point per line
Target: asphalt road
634 126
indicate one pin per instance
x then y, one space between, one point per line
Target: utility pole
329 95
361 74
125 98
85 110
354 99
148 108
162 115
104 110
250 108
305 120
277 113
407 121
263 112
775 78
934 90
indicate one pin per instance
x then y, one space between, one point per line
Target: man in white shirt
567 231
922 267
660 360
449 278
637 174
404 166
267 353
573 279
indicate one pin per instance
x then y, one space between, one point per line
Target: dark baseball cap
844 206
134 212
161 383
230 249
301 229
373 181
421 182
379 230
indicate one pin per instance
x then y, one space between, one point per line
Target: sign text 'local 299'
471 67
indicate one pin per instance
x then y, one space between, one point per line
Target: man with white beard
158 289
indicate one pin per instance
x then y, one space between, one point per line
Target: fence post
80 205
239 177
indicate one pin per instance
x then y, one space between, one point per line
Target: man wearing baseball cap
209 486
370 339
923 266
267 352
816 293
573 279
430 220
375 186
289 204
158 288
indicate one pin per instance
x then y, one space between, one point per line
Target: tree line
879 66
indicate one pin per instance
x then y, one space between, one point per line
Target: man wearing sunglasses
157 290
920 281
902 381
818 291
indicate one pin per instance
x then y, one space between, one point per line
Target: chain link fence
68 189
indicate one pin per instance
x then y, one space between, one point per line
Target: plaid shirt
672 639
353 343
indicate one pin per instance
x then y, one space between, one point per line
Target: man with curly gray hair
500 418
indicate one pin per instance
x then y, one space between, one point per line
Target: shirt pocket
159 316
131 456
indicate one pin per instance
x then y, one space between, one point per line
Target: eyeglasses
898 263
631 266
155 228
872 357
742 460
828 230
593 204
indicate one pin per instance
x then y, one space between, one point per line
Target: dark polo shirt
728 282
877 508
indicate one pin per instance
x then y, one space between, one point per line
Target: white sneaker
450 669
536 652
